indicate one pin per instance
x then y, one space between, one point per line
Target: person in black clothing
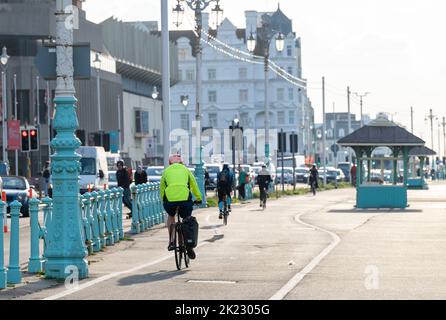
263 180
123 178
313 178
140 176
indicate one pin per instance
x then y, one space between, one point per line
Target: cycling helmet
175 158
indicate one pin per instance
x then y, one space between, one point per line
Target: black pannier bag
190 231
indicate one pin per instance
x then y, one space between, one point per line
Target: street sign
14 135
45 61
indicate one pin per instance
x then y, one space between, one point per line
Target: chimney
251 23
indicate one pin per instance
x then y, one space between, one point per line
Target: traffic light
106 141
281 138
24 134
34 139
294 143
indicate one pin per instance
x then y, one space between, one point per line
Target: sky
393 49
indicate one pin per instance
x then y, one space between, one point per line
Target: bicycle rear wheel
225 217
178 248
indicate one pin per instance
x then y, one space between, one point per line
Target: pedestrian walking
123 179
353 175
242 180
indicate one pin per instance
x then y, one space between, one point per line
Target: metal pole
266 104
166 80
431 116
48 102
98 89
119 126
349 130
233 159
324 127
281 149
38 122
16 153
294 160
5 116
411 119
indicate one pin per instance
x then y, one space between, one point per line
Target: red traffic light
24 133
33 133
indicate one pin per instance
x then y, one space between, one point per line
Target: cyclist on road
263 180
225 181
177 186
313 178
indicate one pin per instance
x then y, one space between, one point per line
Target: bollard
120 226
108 217
3 275
135 219
35 264
101 217
14 274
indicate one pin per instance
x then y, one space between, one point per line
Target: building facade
235 89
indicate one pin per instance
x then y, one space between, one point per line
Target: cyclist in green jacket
177 186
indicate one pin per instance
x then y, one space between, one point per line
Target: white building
234 88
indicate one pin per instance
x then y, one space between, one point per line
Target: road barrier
102 225
147 209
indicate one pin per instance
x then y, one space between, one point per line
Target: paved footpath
301 247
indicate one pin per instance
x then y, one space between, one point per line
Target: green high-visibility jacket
177 182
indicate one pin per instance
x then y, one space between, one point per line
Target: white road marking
117 274
290 285
110 276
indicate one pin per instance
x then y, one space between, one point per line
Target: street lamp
185 101
361 96
198 6
266 34
155 93
4 58
235 126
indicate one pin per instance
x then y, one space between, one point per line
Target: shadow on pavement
374 210
212 227
215 238
150 277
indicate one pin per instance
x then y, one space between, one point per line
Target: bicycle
180 250
225 210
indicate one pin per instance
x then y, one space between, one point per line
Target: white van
94 168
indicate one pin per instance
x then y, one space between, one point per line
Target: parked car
345 167
18 188
112 181
213 170
287 175
154 173
302 175
332 174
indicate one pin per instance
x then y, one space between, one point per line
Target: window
291 94
243 95
290 70
330 133
212 96
289 51
141 121
281 117
212 74
280 94
243 73
185 121
341 133
244 119
291 117
190 75
180 74
213 121
182 54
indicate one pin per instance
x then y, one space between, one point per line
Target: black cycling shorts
186 208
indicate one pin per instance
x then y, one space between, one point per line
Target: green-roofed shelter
417 181
381 133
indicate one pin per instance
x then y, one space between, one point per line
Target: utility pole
349 131
361 96
324 128
431 117
411 119
444 135
166 80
